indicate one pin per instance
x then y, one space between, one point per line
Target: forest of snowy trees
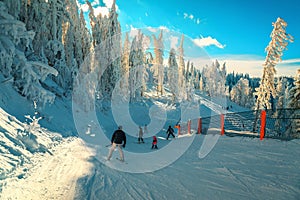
46 49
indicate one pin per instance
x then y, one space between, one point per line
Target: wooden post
262 124
199 125
222 124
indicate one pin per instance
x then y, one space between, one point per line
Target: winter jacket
170 130
118 137
154 140
141 133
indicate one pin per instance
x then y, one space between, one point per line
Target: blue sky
233 31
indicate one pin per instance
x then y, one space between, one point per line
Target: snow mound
19 142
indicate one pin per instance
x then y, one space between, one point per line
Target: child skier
154 142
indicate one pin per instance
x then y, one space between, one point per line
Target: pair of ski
122 161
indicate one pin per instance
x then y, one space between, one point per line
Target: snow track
235 169
51 177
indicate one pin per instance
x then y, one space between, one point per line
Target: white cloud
185 15
151 29
146 14
164 28
208 41
157 29
190 17
104 10
108 3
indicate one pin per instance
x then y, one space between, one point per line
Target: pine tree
281 105
278 43
181 73
201 87
137 68
85 37
13 7
15 45
187 71
197 80
214 79
95 25
189 77
173 74
110 52
281 90
73 19
241 93
294 96
158 62
124 83
35 15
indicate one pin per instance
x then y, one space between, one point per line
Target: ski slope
210 167
237 168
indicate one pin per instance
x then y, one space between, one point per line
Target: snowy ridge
51 176
18 145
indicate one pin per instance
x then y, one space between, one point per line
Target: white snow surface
51 166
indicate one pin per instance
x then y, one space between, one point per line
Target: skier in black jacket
170 131
117 139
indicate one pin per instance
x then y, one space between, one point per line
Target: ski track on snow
52 177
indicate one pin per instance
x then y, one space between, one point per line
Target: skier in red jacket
154 142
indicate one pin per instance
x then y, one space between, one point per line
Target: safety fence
280 123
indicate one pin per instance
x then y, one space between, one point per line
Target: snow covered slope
237 168
18 144
41 164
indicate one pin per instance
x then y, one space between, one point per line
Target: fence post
222 124
189 126
262 124
199 125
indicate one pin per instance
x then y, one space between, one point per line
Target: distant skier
140 135
117 139
170 131
145 129
154 142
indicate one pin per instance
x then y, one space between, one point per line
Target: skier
170 131
140 135
145 129
117 139
154 142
